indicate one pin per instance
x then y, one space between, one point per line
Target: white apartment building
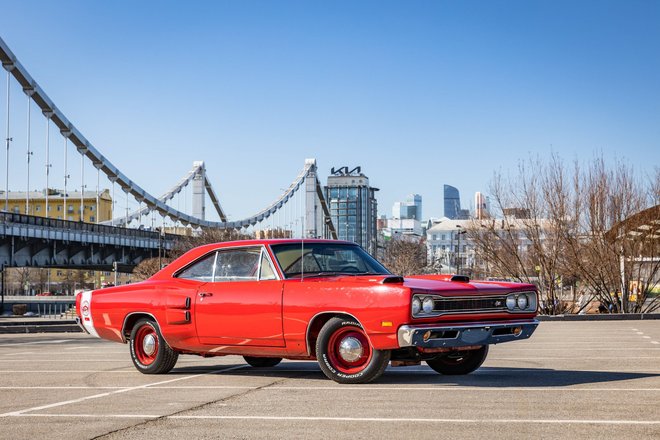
448 243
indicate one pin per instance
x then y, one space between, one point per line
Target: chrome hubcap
350 349
149 345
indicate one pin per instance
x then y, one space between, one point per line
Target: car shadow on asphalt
484 377
502 377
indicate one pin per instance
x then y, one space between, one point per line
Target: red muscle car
321 300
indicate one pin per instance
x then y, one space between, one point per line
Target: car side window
237 265
267 271
201 270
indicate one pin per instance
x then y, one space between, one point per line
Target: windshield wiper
315 274
355 274
312 274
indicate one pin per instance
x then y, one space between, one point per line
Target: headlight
416 306
522 302
428 304
510 302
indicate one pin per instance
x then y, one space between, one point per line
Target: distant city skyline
419 94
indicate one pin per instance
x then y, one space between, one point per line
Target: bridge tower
311 205
198 193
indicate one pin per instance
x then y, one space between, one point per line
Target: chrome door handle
204 294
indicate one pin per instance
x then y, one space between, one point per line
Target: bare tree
405 256
205 236
20 278
147 268
577 227
524 244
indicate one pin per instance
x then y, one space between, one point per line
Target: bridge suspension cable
314 222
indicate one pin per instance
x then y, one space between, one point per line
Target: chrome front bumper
433 336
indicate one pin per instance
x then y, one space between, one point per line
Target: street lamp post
29 92
48 114
8 140
458 250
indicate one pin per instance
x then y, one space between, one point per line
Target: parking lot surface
570 380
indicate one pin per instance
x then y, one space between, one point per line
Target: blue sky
418 93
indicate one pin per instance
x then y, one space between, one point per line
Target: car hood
432 283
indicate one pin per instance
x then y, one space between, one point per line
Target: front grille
469 305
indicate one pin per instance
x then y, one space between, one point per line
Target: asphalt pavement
572 380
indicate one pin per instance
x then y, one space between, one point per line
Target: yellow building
96 209
32 281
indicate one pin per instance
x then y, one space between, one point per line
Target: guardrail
67 225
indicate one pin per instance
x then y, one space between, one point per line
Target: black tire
460 362
149 351
262 362
368 366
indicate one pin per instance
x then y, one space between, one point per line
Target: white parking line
69 360
75 360
96 396
73 387
356 419
491 358
528 349
360 388
131 370
581 358
55 341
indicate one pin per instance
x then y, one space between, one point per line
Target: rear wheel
459 362
149 351
262 362
345 354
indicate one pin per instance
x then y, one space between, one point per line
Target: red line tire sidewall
362 371
162 360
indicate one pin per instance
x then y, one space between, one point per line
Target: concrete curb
35 328
603 317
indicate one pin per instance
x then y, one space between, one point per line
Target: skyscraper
480 206
410 209
353 206
452 202
415 200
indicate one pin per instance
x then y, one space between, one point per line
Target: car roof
198 251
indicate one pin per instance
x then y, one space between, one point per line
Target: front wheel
345 354
459 362
262 362
149 351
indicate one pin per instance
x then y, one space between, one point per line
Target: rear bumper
434 336
80 324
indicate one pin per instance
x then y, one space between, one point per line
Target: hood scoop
460 278
394 279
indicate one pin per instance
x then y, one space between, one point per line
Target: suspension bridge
61 235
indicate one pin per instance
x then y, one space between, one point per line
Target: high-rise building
480 206
415 201
410 209
353 206
452 202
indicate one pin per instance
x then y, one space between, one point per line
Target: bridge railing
14 218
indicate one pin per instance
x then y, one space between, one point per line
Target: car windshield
325 259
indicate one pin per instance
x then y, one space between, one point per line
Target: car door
242 304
